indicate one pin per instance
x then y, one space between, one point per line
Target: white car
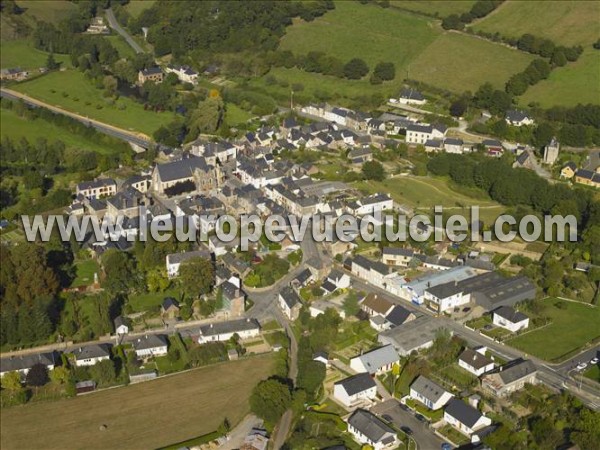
581 366
594 361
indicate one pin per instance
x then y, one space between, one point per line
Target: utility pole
292 100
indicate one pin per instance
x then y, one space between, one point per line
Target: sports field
567 22
71 90
142 416
577 82
572 327
442 8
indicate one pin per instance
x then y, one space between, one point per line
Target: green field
16 127
458 63
234 115
442 8
84 272
135 7
20 53
564 22
151 300
124 49
80 91
52 11
577 82
571 328
137 416
593 373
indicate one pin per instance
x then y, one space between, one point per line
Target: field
572 327
147 415
136 7
85 271
458 63
442 8
15 128
52 11
151 300
234 115
118 42
577 82
564 22
20 53
72 91
424 193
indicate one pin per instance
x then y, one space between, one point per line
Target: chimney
211 325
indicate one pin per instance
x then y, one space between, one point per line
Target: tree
373 170
459 107
385 71
207 117
60 375
104 372
270 399
588 429
351 307
110 84
355 69
453 22
197 276
51 63
311 375
119 269
37 375
12 381
558 58
157 280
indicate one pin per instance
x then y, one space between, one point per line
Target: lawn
459 63
72 91
135 7
21 53
564 22
234 115
85 271
442 8
593 373
16 127
151 300
118 42
572 327
52 11
196 402
577 82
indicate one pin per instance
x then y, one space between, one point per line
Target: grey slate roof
357 383
510 314
428 389
398 315
398 251
474 359
175 258
515 370
92 351
378 358
231 326
371 426
411 94
289 296
184 168
150 341
21 362
462 412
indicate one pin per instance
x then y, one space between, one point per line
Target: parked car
404 407
420 417
406 430
387 417
446 446
594 361
581 366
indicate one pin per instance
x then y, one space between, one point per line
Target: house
23 363
465 418
174 260
91 354
152 74
360 155
372 271
429 393
194 169
97 26
223 331
302 279
587 177
410 96
150 345
414 335
551 151
510 319
376 305
369 430
375 362
339 279
318 307
321 357
414 290
257 439
398 316
395 256
170 308
493 147
121 325
518 118
475 361
185 74
510 377
355 390
14 74
524 161
453 145
568 171
420 134
434 145
104 187
290 303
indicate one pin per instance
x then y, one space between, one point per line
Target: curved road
112 21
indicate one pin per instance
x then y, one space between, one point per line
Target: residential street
112 21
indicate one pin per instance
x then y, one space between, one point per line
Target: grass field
151 300
577 82
80 91
564 22
136 7
593 373
117 41
234 115
52 11
85 271
15 128
424 193
20 53
572 327
141 416
458 63
442 8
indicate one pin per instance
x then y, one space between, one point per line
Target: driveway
112 21
426 439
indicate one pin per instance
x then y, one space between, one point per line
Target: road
425 439
112 21
132 137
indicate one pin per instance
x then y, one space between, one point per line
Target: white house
98 188
223 331
410 97
368 429
518 118
506 317
150 345
464 417
174 260
376 362
372 271
475 361
91 354
289 302
121 326
453 145
22 363
339 279
445 296
355 390
429 393
184 73
420 134
396 256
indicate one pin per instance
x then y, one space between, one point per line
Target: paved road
238 434
425 439
130 136
112 21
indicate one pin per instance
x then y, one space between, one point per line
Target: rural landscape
138 309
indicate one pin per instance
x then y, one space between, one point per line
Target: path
238 434
112 21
